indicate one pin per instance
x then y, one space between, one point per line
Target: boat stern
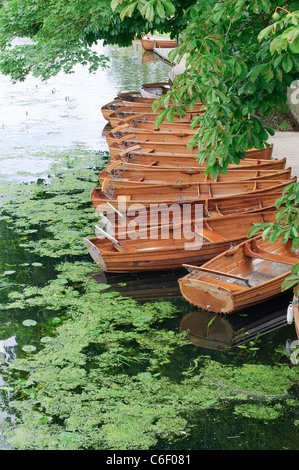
95 254
206 296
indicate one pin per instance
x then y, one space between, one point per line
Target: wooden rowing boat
133 174
151 146
116 191
115 218
139 121
134 106
117 118
149 91
149 43
125 132
137 153
154 91
126 219
154 147
185 162
207 239
135 99
243 276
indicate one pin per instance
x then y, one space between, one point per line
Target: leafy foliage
237 72
61 33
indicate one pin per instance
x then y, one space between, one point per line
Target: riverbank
286 144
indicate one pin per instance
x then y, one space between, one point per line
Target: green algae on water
106 371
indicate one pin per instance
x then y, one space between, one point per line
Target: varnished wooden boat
110 107
117 118
245 275
149 43
185 162
136 98
115 219
149 91
156 254
116 191
151 146
133 174
135 106
154 91
143 125
125 132
137 153
154 147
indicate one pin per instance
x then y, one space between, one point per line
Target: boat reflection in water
228 332
206 329
145 285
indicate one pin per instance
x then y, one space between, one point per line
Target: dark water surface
45 123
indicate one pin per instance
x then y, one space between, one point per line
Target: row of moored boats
152 179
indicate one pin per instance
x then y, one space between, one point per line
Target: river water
41 123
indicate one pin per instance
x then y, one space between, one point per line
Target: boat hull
159 260
115 192
152 43
251 273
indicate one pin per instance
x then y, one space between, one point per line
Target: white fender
290 314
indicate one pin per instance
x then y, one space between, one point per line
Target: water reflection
228 333
42 120
143 286
205 329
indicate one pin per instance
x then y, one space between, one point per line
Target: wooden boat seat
126 137
262 254
120 128
113 165
196 269
131 117
133 148
226 285
210 235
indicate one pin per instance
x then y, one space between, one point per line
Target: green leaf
128 11
114 4
266 232
169 7
170 114
265 33
294 45
287 63
160 118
